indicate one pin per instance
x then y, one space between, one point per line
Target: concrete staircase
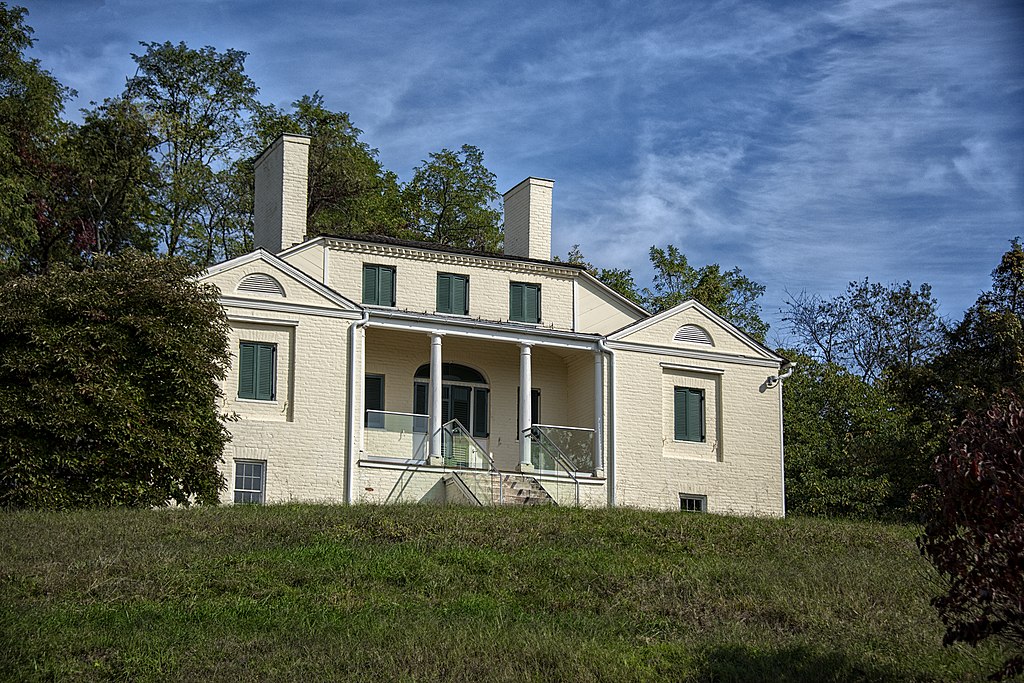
515 489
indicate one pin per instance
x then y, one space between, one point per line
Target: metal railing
461 450
547 456
574 444
396 436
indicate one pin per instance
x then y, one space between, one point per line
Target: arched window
261 283
464 396
452 372
693 334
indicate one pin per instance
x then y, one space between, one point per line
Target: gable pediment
262 278
692 326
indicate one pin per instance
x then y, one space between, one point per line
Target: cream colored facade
597 368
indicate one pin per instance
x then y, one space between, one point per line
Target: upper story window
452 293
378 285
257 371
524 302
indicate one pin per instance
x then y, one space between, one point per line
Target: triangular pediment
262 277
693 326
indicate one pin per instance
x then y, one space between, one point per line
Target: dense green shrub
108 386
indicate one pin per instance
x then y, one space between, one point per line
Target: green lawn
445 593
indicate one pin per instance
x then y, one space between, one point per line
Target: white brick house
336 342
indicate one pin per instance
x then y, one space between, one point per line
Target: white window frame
687 501
260 494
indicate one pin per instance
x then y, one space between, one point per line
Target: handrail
393 412
492 467
578 429
465 489
558 454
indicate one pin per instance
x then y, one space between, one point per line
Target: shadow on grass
787 665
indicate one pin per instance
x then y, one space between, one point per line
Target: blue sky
807 143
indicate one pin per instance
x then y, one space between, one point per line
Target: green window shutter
374 400
688 415
480 398
460 291
386 286
265 372
370 290
460 405
419 406
694 418
419 398
531 303
246 370
515 301
444 293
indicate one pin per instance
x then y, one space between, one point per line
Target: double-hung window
257 371
524 302
452 293
378 285
250 480
689 414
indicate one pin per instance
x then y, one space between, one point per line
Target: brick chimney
282 178
528 219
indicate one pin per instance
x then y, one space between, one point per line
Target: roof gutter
350 443
610 454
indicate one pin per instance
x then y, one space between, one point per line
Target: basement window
689 502
249 481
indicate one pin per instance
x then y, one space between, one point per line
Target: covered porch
456 397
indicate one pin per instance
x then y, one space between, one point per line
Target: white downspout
772 381
610 461
350 445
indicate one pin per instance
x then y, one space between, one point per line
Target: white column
436 457
598 414
525 405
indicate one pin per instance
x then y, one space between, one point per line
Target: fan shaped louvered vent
262 284
692 334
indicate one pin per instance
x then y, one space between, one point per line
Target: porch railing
396 436
461 450
574 444
547 457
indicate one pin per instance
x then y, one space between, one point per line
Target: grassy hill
433 593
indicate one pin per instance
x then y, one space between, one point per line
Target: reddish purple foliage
975 537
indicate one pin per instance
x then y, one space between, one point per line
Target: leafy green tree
198 104
730 294
851 447
619 279
349 191
984 353
975 534
108 385
871 329
115 176
450 200
36 180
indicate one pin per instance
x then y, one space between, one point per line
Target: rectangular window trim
378 277
257 371
691 502
447 299
250 481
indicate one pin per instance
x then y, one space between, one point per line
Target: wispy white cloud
807 143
